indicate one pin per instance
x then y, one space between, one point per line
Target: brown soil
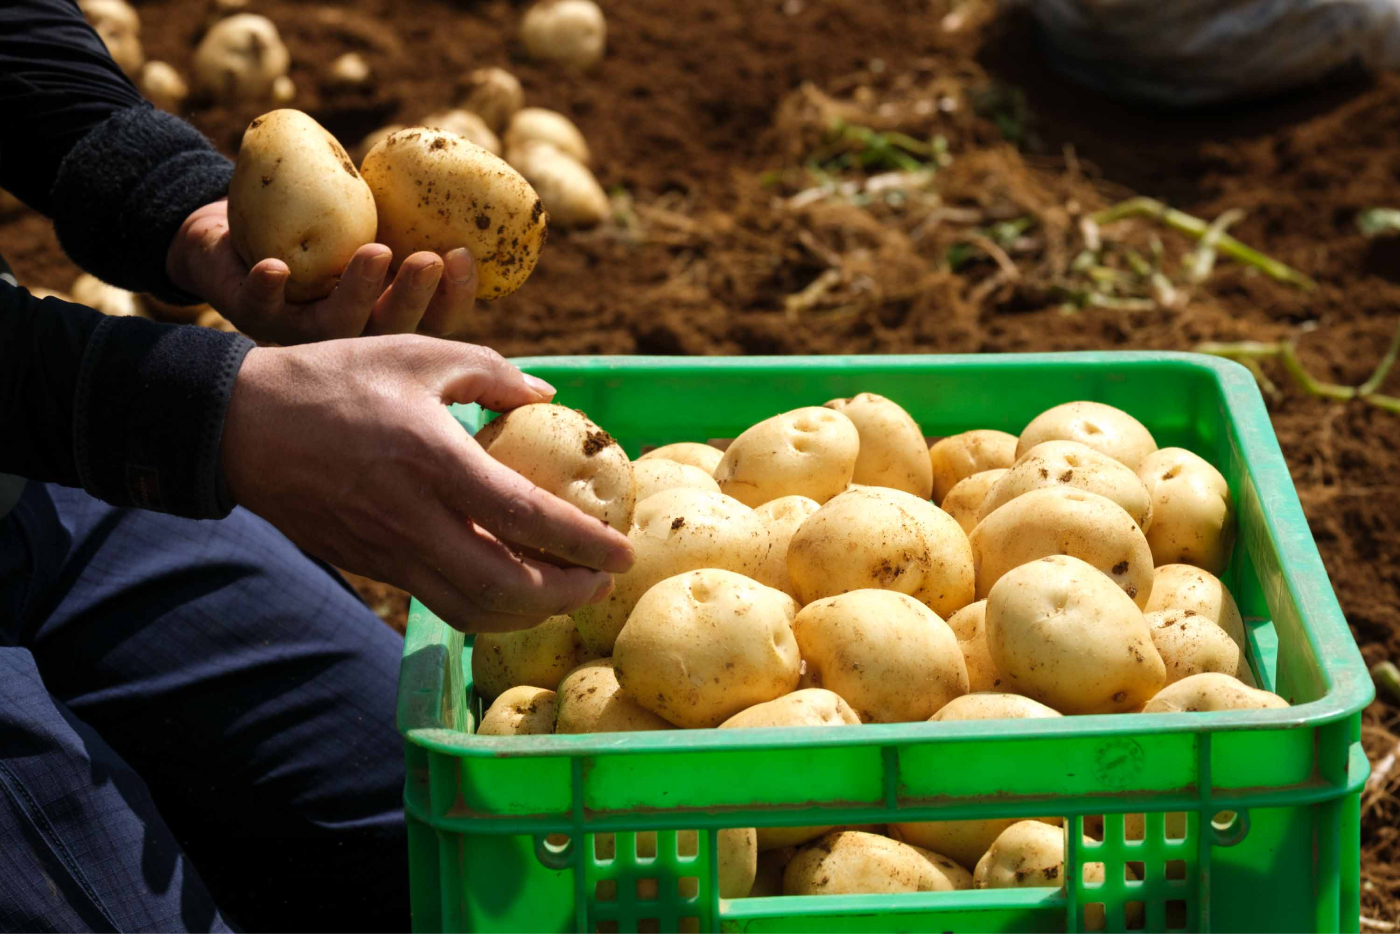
698 119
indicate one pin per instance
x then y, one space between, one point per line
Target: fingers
261 298
471 373
450 310
347 311
400 309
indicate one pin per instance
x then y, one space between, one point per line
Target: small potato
590 701
962 840
782 517
93 292
704 645
295 196
240 58
1031 855
436 191
704 456
469 126
284 91
572 33
349 71
561 450
538 657
1209 692
964 500
494 94
374 137
807 707
570 193
889 656
808 452
854 863
1188 588
958 457
674 531
989 706
1195 514
892 450
1062 633
1191 644
530 124
969 625
1072 466
520 711
1102 427
653 476
119 28
768 875
1063 522
162 85
886 540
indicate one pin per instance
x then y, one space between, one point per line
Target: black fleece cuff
123 191
149 415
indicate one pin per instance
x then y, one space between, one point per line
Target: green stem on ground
1387 678
1313 386
1203 259
1383 368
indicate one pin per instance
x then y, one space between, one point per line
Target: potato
469 126
962 840
1062 633
374 137
737 857
295 196
349 71
1102 427
768 876
561 450
1063 522
964 500
1031 854
520 711
1195 591
572 33
240 58
436 191
119 28
547 126
807 707
91 291
704 456
538 657
969 625
284 91
570 193
1195 514
1072 466
39 291
494 94
956 874
162 85
888 656
808 452
782 517
1208 692
590 701
892 449
653 476
883 539
960 456
854 863
675 531
702 646
1191 644
989 706
212 319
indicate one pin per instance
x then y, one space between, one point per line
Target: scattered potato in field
1062 633
572 33
806 452
538 657
989 706
1210 692
704 645
807 707
1102 427
969 625
471 128
91 291
531 124
964 500
570 193
39 291
284 91
657 474
119 28
704 456
520 711
1193 590
1195 514
959 456
590 701
768 875
892 450
494 94
854 863
1191 644
349 71
884 540
240 58
782 517
1072 466
162 85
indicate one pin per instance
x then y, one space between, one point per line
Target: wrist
236 448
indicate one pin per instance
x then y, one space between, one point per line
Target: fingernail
377 267
539 385
428 275
273 280
459 265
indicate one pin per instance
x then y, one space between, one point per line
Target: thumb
479 374
261 295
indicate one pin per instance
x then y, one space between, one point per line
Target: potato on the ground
782 517
1085 525
520 711
704 456
590 701
1194 513
570 192
119 28
1191 644
284 91
1194 590
892 449
349 71
547 126
884 540
240 58
702 646
807 707
562 451
964 500
888 656
162 85
806 452
91 291
1073 466
969 625
957 457
1102 427
768 877
470 127
854 863
657 474
1062 633
539 656
991 706
572 33
493 94
1209 692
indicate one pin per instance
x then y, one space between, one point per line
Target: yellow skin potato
1102 427
547 126
283 91
572 33
989 706
889 656
119 28
962 840
520 711
884 540
570 192
296 196
538 657
969 625
1063 522
467 125
806 452
349 71
657 474
93 292
493 94
162 85
1193 590
562 451
1072 466
959 456
704 456
674 531
964 500
702 646
807 707
240 59
854 863
1190 645
1209 692
892 450
375 137
436 191
1031 854
1062 633
1195 514
768 877
590 701
782 517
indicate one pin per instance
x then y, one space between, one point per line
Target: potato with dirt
964 501
1191 644
240 58
570 192
1211 692
782 517
494 95
1198 592
467 125
1106 429
854 863
520 711
807 452
969 626
658 474
892 450
538 124
1031 855
538 657
590 701
572 33
119 28
1069 465
1195 513
959 456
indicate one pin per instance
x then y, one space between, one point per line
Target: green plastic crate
1270 797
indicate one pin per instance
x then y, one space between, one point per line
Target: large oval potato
957 457
969 625
566 32
569 190
1072 466
854 863
964 500
548 126
1209 692
704 456
702 646
562 451
1194 590
990 706
806 452
1191 644
1195 514
883 539
435 191
892 451
675 531
295 196
807 707
1062 633
782 517
590 701
538 657
658 474
889 656
1102 427
240 58
493 94
1045 522
520 711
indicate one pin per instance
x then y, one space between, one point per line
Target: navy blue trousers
196 729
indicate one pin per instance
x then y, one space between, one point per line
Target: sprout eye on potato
892 451
806 452
1195 514
1104 428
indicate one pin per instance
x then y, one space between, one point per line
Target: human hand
431 294
347 448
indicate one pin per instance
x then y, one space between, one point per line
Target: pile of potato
805 576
